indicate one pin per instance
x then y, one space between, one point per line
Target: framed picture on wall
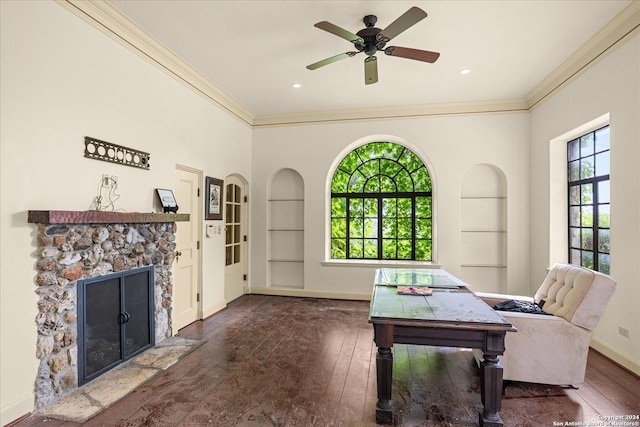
213 202
168 200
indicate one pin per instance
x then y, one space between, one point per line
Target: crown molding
384 113
101 15
620 29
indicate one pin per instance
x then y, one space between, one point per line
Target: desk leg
491 391
384 371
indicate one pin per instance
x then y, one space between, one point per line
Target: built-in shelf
483 228
101 217
285 230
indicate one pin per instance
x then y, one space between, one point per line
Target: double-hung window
589 200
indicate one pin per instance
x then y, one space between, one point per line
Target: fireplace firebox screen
115 320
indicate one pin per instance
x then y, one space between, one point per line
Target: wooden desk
452 316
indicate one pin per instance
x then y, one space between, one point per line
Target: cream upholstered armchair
553 349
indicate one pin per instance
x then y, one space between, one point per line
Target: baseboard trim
288 292
19 420
622 359
16 411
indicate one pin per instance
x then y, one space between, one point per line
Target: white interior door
186 283
235 270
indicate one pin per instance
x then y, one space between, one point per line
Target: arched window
381 205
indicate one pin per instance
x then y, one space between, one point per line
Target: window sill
379 263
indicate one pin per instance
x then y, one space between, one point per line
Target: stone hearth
83 403
81 245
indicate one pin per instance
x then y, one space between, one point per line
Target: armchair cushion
576 294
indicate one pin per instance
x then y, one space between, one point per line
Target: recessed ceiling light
465 71
296 85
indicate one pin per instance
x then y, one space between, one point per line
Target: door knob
178 253
124 317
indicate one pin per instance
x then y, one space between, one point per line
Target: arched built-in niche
483 228
286 230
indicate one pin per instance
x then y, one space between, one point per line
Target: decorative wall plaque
113 153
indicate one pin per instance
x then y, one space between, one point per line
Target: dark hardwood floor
279 361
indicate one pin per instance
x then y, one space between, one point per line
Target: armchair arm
546 349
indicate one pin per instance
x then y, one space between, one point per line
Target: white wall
63 80
612 86
452 145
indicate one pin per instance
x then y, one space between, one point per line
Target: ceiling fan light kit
371 40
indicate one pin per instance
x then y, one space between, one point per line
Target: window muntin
589 200
381 206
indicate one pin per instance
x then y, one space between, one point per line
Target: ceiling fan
371 40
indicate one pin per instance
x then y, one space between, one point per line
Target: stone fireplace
80 245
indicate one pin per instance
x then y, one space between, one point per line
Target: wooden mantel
101 217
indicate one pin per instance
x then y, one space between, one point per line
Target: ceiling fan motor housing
370 36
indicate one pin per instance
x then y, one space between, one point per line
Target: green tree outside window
381 206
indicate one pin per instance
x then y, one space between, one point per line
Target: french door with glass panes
235 238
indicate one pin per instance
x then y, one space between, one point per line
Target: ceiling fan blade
417 54
406 20
340 32
370 70
331 60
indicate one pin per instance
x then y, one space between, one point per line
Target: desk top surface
451 302
431 277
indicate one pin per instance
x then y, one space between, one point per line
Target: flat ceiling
255 50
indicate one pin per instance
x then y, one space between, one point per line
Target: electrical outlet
623 331
105 180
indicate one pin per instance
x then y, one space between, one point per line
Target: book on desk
414 290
